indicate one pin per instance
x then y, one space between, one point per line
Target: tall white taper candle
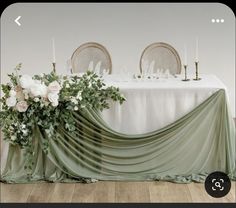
185 55
196 55
53 51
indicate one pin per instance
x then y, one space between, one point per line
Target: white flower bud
76 108
12 93
36 99
11 101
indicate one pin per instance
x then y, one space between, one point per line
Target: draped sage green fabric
187 150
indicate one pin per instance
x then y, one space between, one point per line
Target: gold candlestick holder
196 78
54 67
185 74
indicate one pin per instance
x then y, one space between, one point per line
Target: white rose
38 89
22 106
36 99
53 97
11 101
12 93
54 87
37 81
26 81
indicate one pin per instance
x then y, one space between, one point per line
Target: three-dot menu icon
217 20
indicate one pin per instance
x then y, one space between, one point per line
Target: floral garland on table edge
42 99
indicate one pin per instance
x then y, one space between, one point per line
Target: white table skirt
151 105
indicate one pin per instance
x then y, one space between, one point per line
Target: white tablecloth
151 105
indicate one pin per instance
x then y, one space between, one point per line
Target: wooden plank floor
110 192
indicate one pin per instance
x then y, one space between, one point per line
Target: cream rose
54 87
11 101
38 89
22 106
26 81
53 98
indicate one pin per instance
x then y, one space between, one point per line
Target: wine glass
105 73
124 74
68 66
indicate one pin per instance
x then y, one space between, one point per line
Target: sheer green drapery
201 142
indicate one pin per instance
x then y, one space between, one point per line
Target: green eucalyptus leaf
89 91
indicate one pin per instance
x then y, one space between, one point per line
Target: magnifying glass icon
217 184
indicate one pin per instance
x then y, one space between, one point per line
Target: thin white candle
196 58
53 51
185 55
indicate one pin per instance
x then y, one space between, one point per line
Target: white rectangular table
188 150
151 105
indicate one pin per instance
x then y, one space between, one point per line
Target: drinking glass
68 66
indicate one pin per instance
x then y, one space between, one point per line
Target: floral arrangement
46 100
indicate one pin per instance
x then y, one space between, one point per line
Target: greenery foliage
46 100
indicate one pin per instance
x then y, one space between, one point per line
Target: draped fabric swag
187 150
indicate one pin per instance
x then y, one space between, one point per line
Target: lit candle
53 51
196 58
185 55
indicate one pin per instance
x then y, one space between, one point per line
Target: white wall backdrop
124 29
